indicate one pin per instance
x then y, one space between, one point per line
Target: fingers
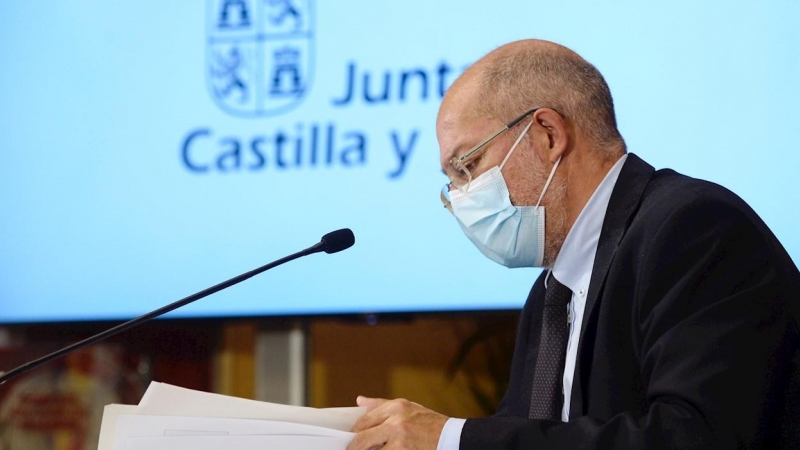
396 424
378 410
369 439
381 410
370 403
368 420
391 428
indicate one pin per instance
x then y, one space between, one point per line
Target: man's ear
555 130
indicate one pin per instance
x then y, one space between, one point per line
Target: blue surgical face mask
509 235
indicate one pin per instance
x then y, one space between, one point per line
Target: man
667 317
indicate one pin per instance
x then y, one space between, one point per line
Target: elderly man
667 317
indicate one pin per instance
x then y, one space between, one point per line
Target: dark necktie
547 397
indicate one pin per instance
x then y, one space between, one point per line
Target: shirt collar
573 266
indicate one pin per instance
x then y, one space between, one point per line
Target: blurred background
151 149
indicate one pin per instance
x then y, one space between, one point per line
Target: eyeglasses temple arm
524 115
466 156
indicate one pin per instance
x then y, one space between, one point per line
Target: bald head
574 127
523 74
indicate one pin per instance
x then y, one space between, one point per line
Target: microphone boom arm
316 248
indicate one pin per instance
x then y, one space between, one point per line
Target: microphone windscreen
338 240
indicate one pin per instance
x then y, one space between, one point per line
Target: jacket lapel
625 199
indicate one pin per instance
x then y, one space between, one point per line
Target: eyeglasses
459 170
460 174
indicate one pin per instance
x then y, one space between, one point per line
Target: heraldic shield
259 54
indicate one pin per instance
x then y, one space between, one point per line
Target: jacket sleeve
712 335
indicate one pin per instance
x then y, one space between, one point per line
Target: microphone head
338 240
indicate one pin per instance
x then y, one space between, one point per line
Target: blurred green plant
486 353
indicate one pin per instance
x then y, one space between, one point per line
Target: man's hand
396 424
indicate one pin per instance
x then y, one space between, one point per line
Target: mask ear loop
516 143
549 179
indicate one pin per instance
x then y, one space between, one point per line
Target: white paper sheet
108 427
170 417
167 400
134 425
281 442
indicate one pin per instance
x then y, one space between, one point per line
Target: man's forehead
459 123
461 97
457 118
461 131
455 133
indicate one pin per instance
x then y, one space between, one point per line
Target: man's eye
472 164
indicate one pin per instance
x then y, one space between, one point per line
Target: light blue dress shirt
573 268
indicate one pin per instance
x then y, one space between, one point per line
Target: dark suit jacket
689 338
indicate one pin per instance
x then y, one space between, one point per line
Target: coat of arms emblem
259 54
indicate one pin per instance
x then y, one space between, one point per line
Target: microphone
332 242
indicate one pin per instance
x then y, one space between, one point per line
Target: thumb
369 403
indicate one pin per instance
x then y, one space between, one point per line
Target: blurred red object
59 406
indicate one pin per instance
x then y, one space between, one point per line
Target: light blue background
99 219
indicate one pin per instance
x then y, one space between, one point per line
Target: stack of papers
174 418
